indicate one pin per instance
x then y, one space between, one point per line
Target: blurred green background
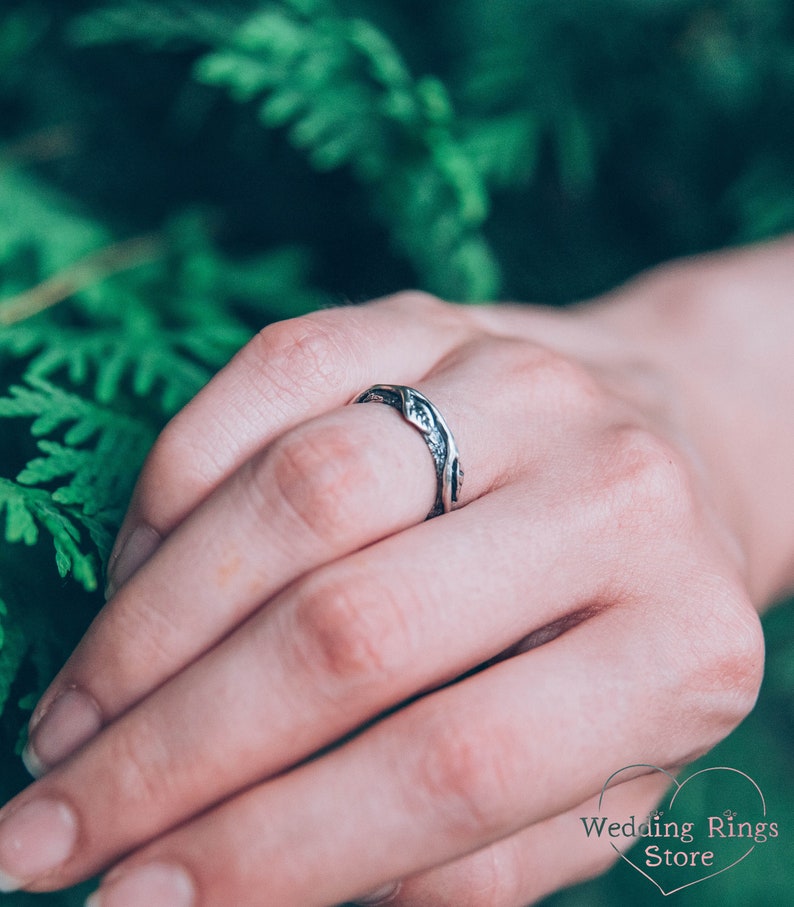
175 175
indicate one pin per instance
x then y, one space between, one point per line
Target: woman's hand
300 692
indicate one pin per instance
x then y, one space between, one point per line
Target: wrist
713 336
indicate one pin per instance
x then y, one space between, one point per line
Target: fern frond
346 97
151 363
50 407
762 201
100 453
83 275
20 31
158 25
30 509
505 148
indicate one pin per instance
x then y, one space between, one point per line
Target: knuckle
717 660
743 667
488 878
458 324
650 483
348 629
175 471
451 319
142 767
316 474
419 303
463 775
299 357
556 381
731 658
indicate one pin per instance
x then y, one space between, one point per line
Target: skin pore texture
300 693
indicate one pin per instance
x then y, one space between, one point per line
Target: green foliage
28 510
102 342
175 174
90 468
158 25
348 99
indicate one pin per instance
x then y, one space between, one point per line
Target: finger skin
329 654
323 490
519 870
245 543
345 643
642 480
291 371
438 778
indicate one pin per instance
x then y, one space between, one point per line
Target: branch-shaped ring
416 409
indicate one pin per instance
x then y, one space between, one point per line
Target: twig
96 267
49 144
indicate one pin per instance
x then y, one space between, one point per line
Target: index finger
289 372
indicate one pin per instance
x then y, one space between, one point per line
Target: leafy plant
345 94
96 357
175 174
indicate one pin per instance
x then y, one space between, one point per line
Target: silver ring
416 409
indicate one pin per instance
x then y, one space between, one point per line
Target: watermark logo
713 821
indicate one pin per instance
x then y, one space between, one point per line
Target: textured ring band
416 409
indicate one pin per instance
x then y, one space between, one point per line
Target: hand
301 692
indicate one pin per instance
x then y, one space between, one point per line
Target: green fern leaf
343 91
154 360
30 509
167 24
505 149
102 448
359 106
20 520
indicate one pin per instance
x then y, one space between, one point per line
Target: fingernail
35 839
155 885
72 718
31 761
381 896
138 547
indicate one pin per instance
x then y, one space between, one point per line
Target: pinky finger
527 866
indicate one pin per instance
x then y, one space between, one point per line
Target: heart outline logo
679 786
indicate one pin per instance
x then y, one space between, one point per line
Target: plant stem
95 267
